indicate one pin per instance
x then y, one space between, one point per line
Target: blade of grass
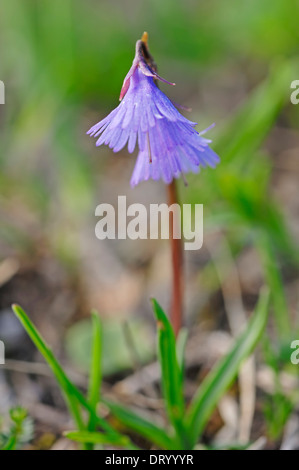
171 373
180 350
95 378
65 384
71 392
11 444
141 426
222 375
256 116
99 438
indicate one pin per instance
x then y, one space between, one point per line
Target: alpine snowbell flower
169 145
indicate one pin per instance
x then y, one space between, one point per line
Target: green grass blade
95 378
11 444
222 375
171 373
71 392
141 426
180 351
171 377
256 116
99 438
65 384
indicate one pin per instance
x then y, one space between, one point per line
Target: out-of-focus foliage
63 63
63 71
57 68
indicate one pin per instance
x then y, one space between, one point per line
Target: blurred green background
63 63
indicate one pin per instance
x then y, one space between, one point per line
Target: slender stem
176 312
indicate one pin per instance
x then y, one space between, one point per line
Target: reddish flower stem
176 311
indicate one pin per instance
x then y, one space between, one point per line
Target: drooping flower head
169 145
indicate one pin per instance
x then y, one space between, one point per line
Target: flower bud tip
144 38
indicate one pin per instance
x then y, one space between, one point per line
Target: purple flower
169 146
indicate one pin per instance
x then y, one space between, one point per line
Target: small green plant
20 431
185 423
277 409
277 405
